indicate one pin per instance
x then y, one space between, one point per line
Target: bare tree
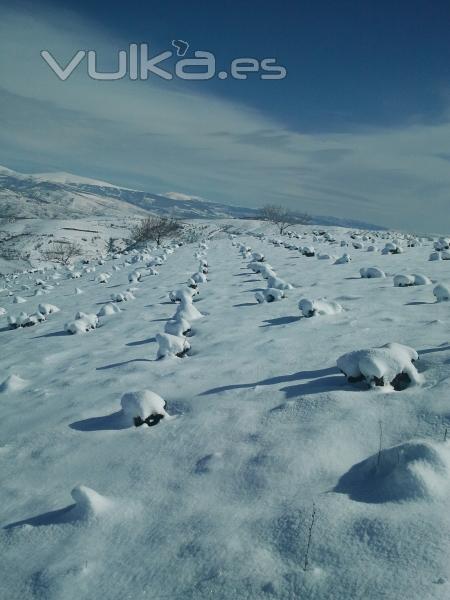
282 217
62 252
155 229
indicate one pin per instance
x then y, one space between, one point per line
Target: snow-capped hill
64 195
68 178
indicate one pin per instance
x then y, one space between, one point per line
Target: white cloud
156 135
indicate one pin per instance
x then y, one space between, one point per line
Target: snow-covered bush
435 256
82 323
308 251
372 249
47 309
183 295
445 255
371 272
391 248
142 407
403 280
257 257
25 320
277 283
187 311
171 346
389 365
134 277
345 258
122 297
153 271
108 309
442 292
103 278
178 327
199 277
321 306
269 295
442 244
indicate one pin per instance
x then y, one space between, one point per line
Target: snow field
217 502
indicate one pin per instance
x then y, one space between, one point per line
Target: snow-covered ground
265 447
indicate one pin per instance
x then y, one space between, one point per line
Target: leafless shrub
155 229
282 217
62 252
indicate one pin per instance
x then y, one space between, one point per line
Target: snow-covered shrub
435 256
178 327
371 272
442 292
199 278
183 295
358 245
171 346
442 244
47 309
321 306
403 280
153 271
108 309
445 255
277 283
143 407
134 277
269 295
76 275
122 297
78 291
308 251
187 311
82 323
324 256
25 320
103 278
345 258
18 300
391 248
372 249
257 257
389 365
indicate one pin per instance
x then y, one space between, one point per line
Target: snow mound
310 308
13 383
410 471
389 365
142 407
89 503
18 300
442 292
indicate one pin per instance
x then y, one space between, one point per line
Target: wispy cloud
158 135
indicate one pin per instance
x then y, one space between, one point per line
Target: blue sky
358 128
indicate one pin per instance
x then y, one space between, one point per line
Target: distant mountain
64 195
